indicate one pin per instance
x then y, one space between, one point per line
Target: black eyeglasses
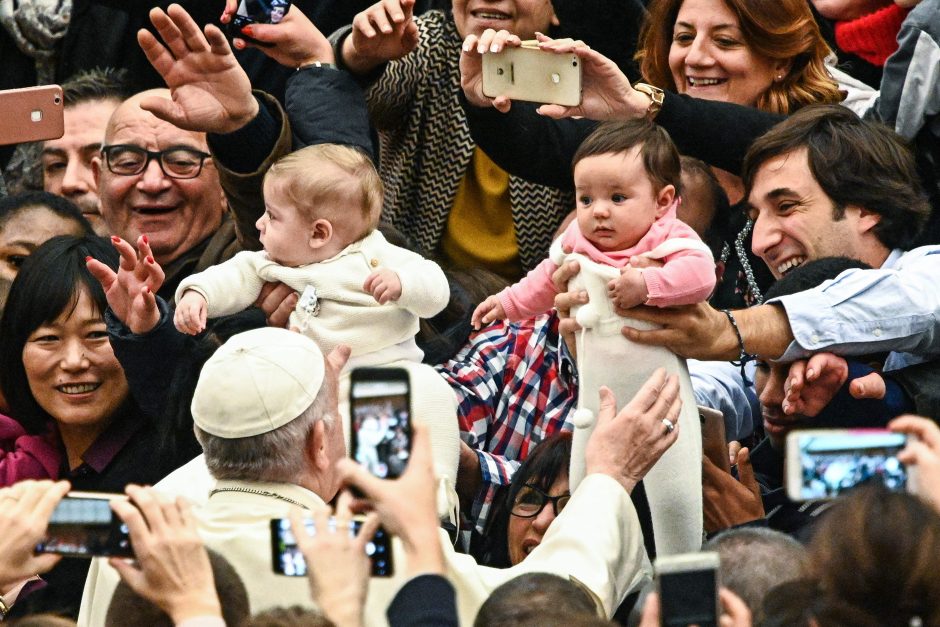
177 162
531 501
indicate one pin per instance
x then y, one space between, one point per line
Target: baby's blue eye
618 198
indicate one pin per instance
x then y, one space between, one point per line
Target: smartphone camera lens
574 63
57 99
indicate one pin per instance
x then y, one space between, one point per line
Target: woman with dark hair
63 382
538 492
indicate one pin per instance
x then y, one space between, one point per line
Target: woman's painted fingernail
145 239
149 259
88 258
247 30
115 239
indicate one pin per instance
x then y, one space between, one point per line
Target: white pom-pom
588 317
583 418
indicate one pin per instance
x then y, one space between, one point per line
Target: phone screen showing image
289 560
86 527
833 463
380 414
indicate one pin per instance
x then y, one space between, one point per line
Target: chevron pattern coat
426 148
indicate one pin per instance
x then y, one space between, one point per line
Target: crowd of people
611 315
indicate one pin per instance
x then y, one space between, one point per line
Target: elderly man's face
66 162
175 214
795 221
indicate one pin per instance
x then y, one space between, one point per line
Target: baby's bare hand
487 311
191 313
628 290
384 285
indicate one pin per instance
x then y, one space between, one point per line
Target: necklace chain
259 493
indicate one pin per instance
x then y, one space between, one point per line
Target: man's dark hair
855 162
537 599
62 207
754 560
96 84
129 608
293 616
659 154
811 274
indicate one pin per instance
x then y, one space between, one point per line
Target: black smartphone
83 525
380 416
289 560
688 589
256 12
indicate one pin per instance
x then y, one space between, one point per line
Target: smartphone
256 12
31 114
824 463
380 419
533 75
289 560
688 589
83 525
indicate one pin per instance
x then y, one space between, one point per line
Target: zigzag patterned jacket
426 147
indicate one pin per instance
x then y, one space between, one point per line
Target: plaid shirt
516 385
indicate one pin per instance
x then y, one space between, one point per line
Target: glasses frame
154 154
546 499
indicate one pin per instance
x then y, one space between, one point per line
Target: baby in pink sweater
626 176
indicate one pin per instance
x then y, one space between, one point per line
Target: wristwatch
656 96
4 608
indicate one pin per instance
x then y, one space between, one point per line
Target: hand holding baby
191 313
384 285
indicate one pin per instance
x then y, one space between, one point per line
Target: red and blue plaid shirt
516 385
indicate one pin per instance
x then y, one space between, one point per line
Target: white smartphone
31 114
688 589
824 463
533 75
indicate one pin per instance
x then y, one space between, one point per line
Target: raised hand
471 65
812 384
131 290
293 42
172 568
383 32
210 91
606 93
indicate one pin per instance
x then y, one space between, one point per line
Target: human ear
867 220
781 69
321 232
96 170
317 445
664 200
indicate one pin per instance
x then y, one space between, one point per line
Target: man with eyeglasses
158 180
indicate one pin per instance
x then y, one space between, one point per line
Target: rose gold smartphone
533 75
31 114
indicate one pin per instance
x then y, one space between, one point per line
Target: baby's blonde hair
324 180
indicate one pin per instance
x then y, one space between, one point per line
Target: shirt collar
111 441
892 259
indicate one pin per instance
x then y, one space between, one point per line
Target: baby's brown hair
659 154
324 180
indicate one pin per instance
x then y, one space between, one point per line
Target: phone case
533 75
31 114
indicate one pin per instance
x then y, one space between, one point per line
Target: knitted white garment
434 403
605 357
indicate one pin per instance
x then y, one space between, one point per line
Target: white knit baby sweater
345 313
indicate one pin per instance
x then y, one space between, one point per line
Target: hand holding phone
330 540
256 12
25 508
